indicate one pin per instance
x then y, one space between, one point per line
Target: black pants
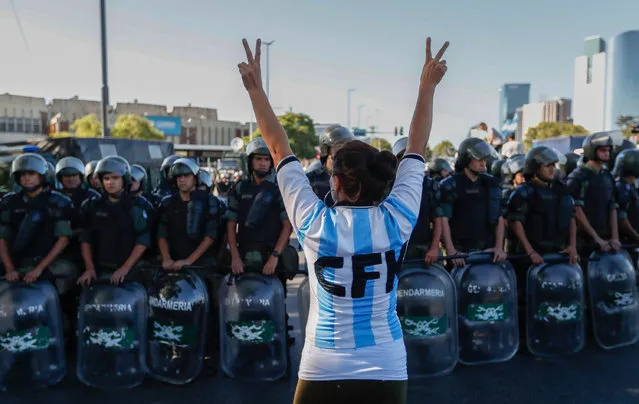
351 391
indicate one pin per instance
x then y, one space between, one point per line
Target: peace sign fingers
250 70
441 51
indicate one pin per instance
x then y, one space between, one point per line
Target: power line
24 38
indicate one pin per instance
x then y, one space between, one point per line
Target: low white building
22 118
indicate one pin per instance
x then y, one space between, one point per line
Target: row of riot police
536 204
103 225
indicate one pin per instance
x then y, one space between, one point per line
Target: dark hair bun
364 170
384 166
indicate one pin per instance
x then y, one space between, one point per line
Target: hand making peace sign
434 68
251 72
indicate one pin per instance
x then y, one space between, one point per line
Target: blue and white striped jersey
353 255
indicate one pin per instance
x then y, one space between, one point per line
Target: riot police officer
89 170
439 169
541 210
512 175
188 221
166 186
69 172
592 188
204 180
331 140
139 185
115 226
627 171
424 241
35 226
471 204
258 228
223 184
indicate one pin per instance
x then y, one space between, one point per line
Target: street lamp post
359 114
268 66
105 83
348 107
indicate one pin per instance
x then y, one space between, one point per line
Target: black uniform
184 224
165 188
259 212
113 229
628 201
594 193
546 212
31 227
473 210
320 182
422 236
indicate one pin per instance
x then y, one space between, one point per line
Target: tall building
590 85
622 86
511 97
556 110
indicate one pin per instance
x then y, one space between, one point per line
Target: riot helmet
89 168
69 166
138 173
627 164
30 162
617 149
204 179
496 168
314 166
473 149
255 147
571 162
114 165
600 139
166 166
399 147
184 166
333 135
538 156
437 166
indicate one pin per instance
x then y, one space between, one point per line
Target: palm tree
624 121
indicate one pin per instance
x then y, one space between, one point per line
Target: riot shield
613 299
303 303
253 327
178 313
112 325
31 337
555 307
427 310
487 305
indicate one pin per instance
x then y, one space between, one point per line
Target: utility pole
348 108
105 81
268 67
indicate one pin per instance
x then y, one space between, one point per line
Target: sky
178 52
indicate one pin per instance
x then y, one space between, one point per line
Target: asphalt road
591 376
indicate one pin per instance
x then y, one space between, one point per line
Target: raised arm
432 73
272 131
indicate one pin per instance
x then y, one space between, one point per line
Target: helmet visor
547 156
482 151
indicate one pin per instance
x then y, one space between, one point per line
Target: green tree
87 126
135 127
301 134
626 123
547 130
428 153
445 148
381 144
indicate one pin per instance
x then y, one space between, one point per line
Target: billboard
169 125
